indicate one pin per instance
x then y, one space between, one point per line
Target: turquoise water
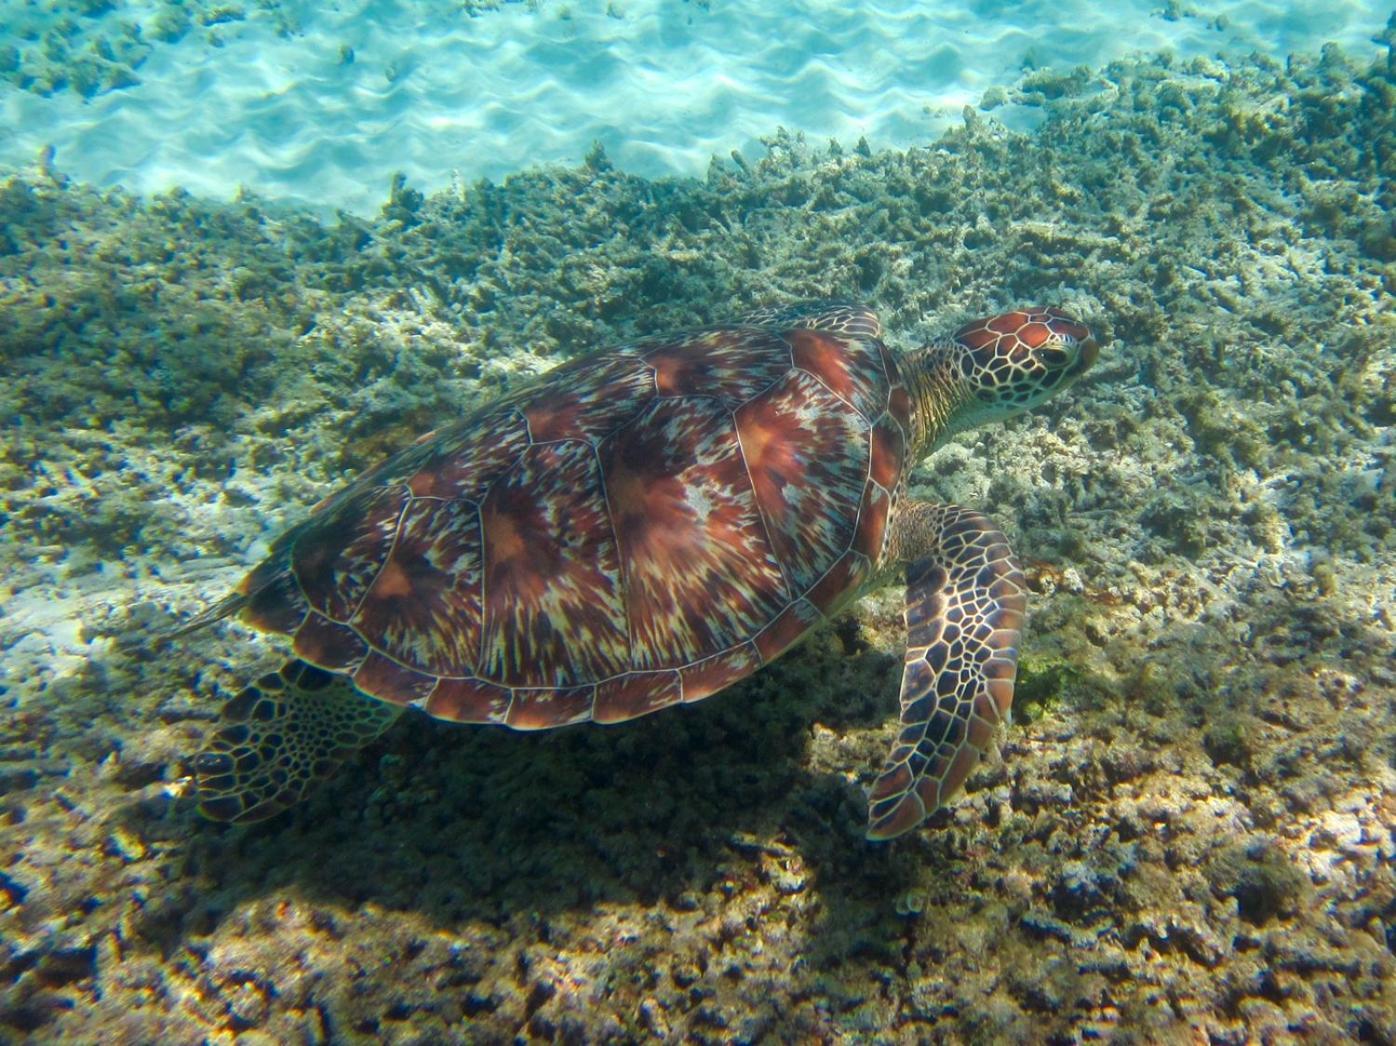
249 251
322 104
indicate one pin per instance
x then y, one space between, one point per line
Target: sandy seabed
1189 835
319 103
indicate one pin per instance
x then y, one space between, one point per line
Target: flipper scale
279 737
965 606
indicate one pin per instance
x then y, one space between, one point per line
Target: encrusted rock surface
91 47
1189 836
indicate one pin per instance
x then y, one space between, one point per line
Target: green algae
1263 881
1044 682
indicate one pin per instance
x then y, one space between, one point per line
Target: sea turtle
642 527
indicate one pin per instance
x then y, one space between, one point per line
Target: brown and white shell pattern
641 528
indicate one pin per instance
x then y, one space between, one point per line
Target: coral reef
94 46
1189 837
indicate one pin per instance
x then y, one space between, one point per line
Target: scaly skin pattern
993 368
644 527
966 603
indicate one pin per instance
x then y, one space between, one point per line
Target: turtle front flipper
280 737
965 607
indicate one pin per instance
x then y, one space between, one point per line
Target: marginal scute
329 644
389 681
277 603
841 580
635 694
888 453
872 521
544 708
469 701
708 676
782 633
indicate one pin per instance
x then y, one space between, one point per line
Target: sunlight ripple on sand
663 87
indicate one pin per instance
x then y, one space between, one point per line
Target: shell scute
851 368
807 456
872 522
383 678
614 389
464 459
706 677
328 644
275 601
553 607
888 457
424 606
841 580
700 573
730 364
469 701
547 707
635 694
782 633
339 555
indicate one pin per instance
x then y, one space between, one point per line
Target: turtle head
997 367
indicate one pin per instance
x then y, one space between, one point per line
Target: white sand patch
326 113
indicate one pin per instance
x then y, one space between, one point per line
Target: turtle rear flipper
280 737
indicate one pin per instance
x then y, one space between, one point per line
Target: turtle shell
640 528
